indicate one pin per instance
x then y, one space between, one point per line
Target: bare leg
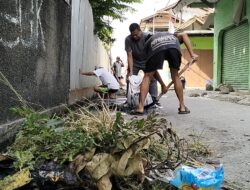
164 88
178 88
97 89
144 90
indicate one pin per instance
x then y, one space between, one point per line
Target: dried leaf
81 160
99 165
135 166
104 183
141 145
122 163
15 181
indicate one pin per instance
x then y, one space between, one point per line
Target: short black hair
98 67
134 26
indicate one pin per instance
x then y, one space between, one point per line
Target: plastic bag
133 94
204 178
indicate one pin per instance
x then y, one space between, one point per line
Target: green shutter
235 58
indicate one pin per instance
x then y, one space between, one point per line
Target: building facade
231 62
231 43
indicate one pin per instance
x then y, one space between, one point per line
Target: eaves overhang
197 3
200 32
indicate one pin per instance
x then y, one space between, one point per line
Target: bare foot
181 108
139 109
112 96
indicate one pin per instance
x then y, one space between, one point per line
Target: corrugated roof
165 10
160 19
189 22
158 14
182 3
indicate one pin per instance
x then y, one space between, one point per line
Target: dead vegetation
88 149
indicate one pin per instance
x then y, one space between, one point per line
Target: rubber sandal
137 113
187 111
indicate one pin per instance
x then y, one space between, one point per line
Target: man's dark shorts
173 56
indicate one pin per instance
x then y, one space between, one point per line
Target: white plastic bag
133 96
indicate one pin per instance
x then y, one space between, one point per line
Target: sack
133 95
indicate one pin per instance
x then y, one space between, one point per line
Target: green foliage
23 158
43 139
105 10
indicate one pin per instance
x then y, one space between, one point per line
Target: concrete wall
43 44
223 20
86 51
34 53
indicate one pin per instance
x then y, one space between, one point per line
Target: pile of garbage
90 149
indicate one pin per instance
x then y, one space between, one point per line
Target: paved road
224 126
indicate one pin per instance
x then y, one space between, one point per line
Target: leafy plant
43 138
90 139
23 158
104 12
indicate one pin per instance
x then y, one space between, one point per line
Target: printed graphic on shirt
163 41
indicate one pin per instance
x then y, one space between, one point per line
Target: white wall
86 48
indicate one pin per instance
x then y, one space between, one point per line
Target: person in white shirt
109 83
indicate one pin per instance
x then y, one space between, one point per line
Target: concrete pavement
223 125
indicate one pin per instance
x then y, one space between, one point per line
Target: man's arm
91 73
128 49
183 38
130 63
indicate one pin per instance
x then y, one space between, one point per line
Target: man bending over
159 47
109 83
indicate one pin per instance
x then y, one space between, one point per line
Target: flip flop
187 111
137 113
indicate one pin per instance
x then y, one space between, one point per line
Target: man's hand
128 75
130 64
194 57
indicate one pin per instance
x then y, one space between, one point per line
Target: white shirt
107 78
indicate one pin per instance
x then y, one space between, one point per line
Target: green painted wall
223 20
201 43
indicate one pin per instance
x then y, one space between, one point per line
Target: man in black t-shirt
159 47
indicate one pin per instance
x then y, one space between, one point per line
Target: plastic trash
203 178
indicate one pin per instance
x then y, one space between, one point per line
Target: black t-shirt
160 41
